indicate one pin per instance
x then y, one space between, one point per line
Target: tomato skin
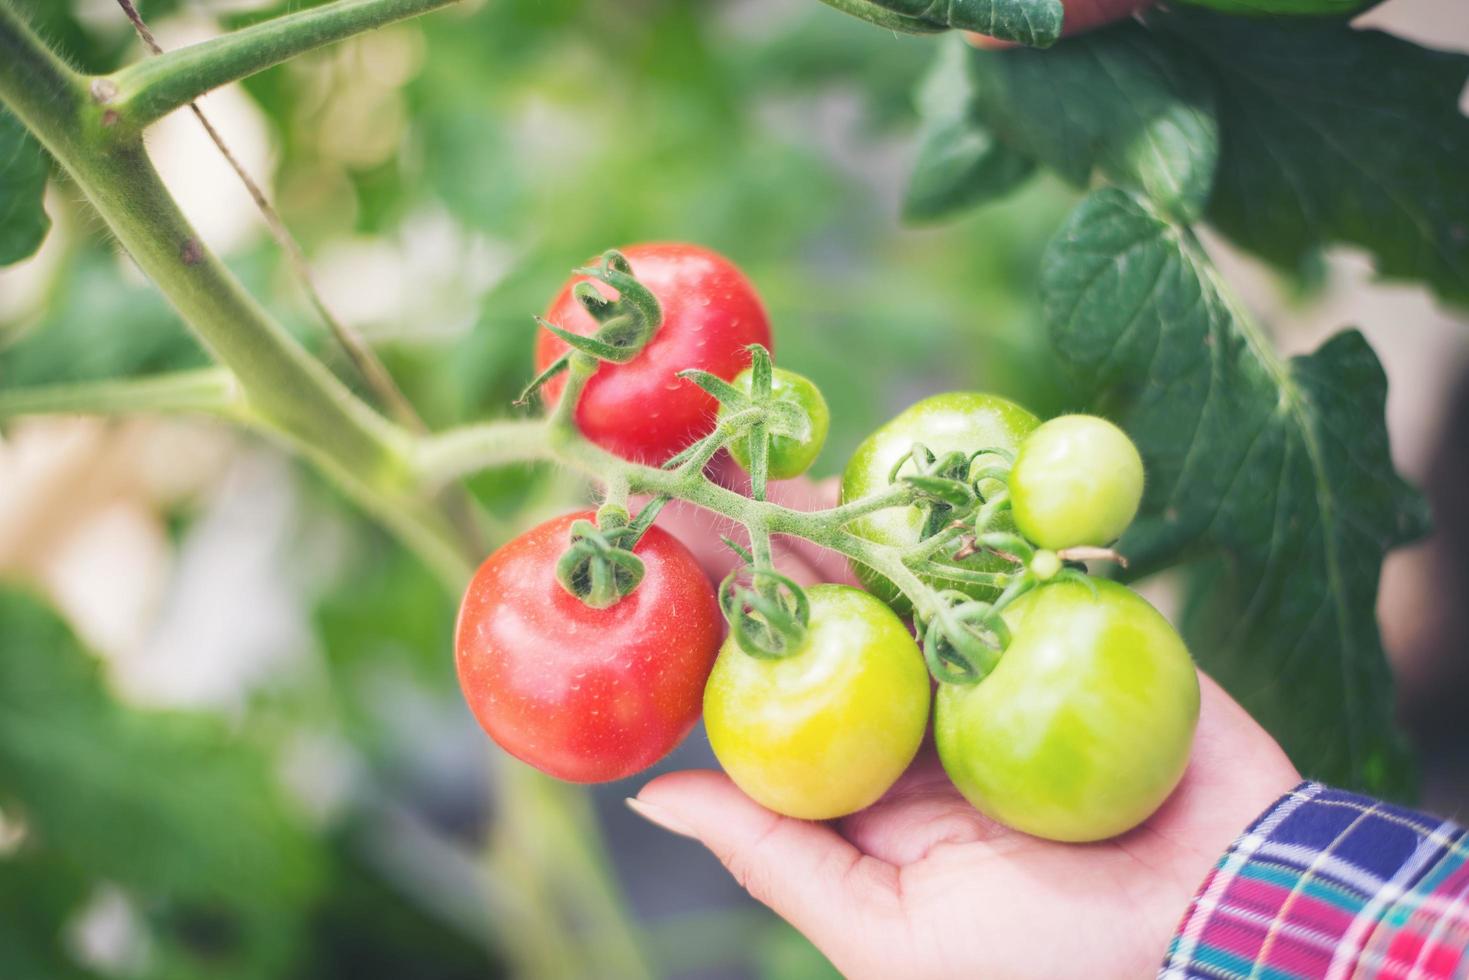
640 410
1085 725
959 420
789 456
825 731
1077 480
586 695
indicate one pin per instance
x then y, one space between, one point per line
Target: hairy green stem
460 452
148 90
931 546
472 448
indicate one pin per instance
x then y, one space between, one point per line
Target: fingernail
658 815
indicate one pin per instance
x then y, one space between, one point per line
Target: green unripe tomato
1084 726
790 455
825 731
1077 480
961 420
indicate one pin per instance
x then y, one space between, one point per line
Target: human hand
923 885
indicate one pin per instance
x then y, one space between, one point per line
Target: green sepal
963 641
769 620
632 295
557 366
597 567
602 350
723 391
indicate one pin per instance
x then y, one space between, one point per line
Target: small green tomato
1077 480
790 455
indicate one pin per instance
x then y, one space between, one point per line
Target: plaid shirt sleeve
1330 884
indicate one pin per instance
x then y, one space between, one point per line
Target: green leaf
1282 468
171 807
1112 102
23 220
1334 135
1035 23
960 163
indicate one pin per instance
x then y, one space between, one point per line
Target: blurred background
269 771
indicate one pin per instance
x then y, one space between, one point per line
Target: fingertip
986 43
660 817
672 788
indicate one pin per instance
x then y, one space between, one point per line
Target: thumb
806 872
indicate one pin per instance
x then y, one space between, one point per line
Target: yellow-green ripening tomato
1077 480
1084 726
965 421
790 455
825 731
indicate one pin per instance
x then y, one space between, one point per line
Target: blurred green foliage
539 132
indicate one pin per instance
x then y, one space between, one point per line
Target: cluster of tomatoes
1076 728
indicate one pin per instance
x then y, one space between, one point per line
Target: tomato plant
825 729
1077 480
961 421
586 694
1084 726
1272 498
642 410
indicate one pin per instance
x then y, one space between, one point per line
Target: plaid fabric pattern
1330 884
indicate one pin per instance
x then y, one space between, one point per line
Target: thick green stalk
150 89
283 383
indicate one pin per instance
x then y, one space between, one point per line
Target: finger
809 874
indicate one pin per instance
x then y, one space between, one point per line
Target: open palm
923 885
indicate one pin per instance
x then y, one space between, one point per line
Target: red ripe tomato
640 410
587 695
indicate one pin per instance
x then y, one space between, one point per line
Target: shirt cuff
1331 884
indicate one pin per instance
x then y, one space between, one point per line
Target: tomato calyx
769 616
756 416
598 566
626 323
963 638
950 489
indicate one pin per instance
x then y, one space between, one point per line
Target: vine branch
288 392
210 391
149 90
